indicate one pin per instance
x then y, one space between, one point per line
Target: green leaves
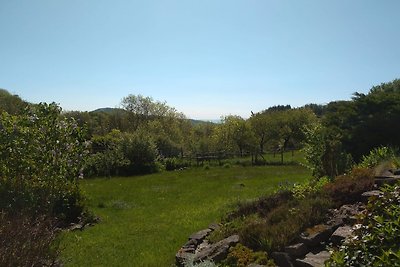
377 239
41 156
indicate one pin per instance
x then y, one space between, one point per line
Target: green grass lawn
146 219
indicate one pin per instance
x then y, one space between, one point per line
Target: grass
146 219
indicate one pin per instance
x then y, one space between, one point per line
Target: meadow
146 219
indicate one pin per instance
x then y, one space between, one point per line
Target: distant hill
107 110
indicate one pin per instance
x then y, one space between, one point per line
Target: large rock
297 250
341 234
282 259
218 251
314 236
374 193
200 235
314 260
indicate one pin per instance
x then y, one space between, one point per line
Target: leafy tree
236 132
324 152
144 109
41 156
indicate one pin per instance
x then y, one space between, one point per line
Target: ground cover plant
146 219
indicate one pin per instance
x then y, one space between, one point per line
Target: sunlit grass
145 219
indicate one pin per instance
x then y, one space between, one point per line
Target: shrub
241 256
324 152
377 156
28 241
376 240
107 156
348 188
176 164
41 156
141 151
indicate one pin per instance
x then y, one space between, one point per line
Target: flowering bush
41 156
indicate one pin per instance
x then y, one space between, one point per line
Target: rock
366 195
255 265
316 235
297 250
192 243
341 234
396 172
314 260
218 251
282 259
76 226
213 226
200 235
347 213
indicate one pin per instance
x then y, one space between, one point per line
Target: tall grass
145 219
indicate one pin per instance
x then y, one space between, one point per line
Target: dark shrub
348 188
28 241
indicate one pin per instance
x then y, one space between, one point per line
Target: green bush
376 239
377 156
176 163
141 151
107 156
241 256
41 157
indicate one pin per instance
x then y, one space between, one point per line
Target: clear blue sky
206 58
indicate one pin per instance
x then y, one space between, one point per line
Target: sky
206 58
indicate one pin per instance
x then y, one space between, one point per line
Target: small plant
190 262
241 256
377 156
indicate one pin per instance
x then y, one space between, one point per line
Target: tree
236 132
41 158
144 109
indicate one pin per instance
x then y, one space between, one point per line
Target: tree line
143 133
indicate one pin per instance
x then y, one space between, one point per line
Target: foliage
348 188
41 156
309 188
107 156
376 239
377 156
28 241
284 223
242 256
274 221
141 151
368 121
11 104
176 164
324 153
